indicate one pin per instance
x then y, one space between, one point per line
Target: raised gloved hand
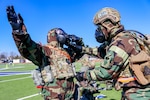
15 20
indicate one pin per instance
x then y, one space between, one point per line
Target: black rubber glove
102 49
15 20
77 48
74 47
74 38
79 76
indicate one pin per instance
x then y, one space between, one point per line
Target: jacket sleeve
91 51
29 49
115 59
107 68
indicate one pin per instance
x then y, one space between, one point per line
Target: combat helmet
106 13
108 22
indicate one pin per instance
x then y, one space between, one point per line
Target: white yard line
15 79
11 68
14 73
30 96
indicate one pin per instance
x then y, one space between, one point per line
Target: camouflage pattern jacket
60 67
115 63
43 55
31 50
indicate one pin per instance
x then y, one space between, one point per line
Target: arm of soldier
110 66
91 51
100 51
27 48
30 49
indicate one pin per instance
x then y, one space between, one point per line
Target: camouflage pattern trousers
136 94
59 89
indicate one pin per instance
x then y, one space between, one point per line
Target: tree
12 55
3 55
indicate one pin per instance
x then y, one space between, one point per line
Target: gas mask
61 36
100 37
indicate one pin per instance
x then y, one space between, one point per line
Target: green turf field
21 87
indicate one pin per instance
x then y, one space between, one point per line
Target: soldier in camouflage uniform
116 61
55 74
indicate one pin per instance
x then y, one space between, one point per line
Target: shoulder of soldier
124 34
122 42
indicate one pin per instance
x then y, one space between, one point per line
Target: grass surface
15 87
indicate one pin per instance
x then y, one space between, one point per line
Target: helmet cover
106 13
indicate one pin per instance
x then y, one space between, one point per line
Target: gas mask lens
59 31
61 36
